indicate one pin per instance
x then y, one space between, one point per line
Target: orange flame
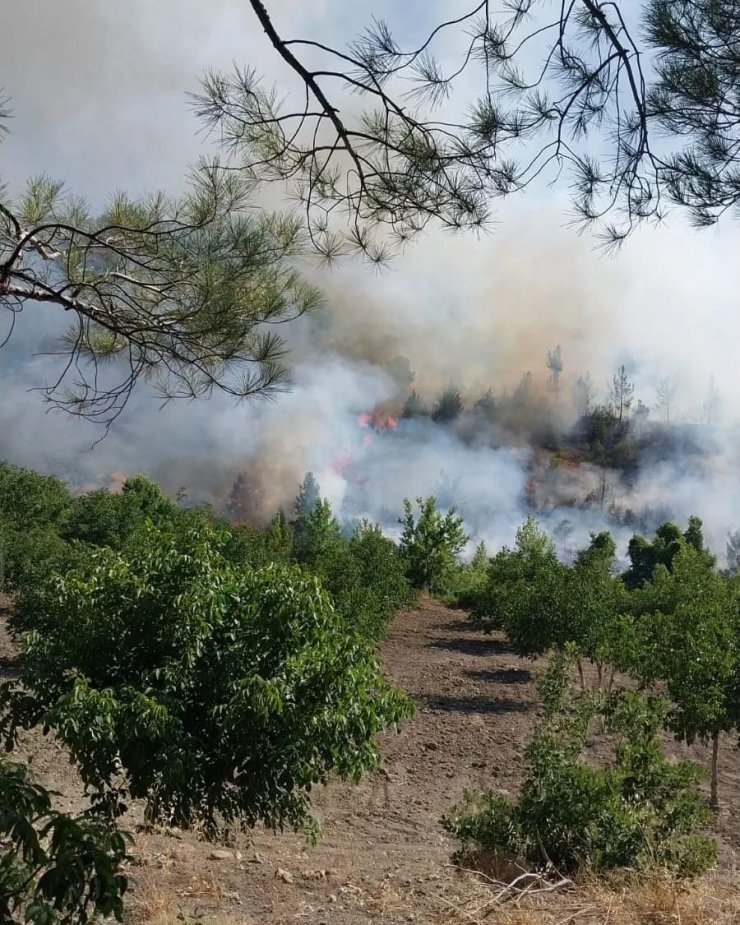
377 420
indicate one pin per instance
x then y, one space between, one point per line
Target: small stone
220 854
284 875
257 858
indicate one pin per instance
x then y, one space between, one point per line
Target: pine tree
308 494
621 392
555 365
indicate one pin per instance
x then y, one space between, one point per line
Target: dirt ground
384 856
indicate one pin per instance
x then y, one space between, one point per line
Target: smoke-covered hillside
490 388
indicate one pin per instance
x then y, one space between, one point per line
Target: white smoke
99 93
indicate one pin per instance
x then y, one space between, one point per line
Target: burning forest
330 450
580 458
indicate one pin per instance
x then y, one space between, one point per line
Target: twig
460 909
574 915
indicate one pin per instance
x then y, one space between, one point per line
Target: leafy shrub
522 589
55 867
468 581
26 556
29 498
430 544
39 521
364 574
366 578
645 556
224 692
104 518
685 633
246 546
541 602
316 535
638 811
33 508
315 530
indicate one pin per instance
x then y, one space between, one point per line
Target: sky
99 98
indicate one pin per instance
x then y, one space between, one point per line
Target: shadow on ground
480 647
9 669
458 626
476 704
501 675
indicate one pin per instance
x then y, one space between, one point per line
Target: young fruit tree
430 544
522 591
542 603
686 635
223 693
635 809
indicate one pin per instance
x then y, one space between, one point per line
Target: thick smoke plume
465 314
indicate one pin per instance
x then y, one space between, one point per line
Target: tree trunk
580 674
714 798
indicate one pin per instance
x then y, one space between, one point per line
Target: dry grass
166 881
657 900
174 918
662 901
153 901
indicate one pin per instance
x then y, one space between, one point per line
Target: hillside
384 856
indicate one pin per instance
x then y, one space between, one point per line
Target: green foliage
280 537
646 556
104 518
316 531
680 624
430 544
55 868
469 579
248 546
33 508
27 556
685 633
697 74
637 811
26 497
521 590
595 599
251 546
366 578
41 524
688 629
308 494
224 692
189 308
